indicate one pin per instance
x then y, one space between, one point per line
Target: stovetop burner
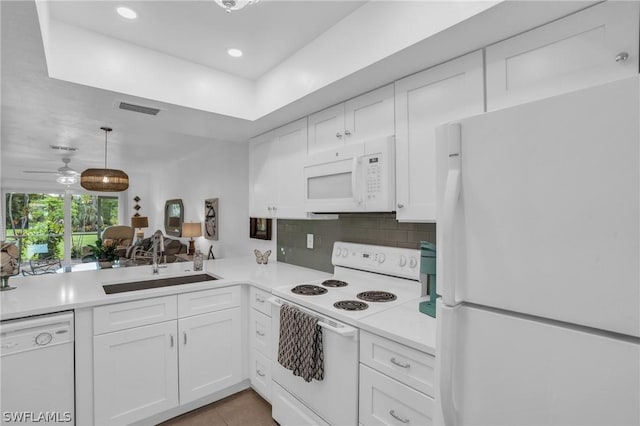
351 305
308 290
376 296
334 283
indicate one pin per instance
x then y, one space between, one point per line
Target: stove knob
338 251
403 261
412 262
345 253
381 258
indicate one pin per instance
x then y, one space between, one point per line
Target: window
36 222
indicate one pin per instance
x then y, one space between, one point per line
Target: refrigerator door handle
451 196
445 357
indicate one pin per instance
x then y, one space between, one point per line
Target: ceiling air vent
139 108
63 148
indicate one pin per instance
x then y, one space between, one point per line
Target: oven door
335 398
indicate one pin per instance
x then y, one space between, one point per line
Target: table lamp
140 222
191 230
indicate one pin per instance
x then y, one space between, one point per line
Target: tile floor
245 408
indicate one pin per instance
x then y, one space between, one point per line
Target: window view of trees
36 221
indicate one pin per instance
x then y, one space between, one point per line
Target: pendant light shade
104 180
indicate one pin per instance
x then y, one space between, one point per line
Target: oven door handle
326 323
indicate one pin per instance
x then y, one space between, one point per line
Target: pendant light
104 180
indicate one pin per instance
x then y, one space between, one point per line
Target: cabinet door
262 176
288 162
444 93
370 116
135 373
326 129
569 54
210 353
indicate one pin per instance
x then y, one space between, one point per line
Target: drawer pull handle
259 299
260 373
260 333
398 418
185 337
400 364
171 340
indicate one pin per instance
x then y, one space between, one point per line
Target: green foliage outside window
38 219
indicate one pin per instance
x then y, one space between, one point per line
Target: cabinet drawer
121 316
260 374
409 366
384 401
260 331
201 302
259 300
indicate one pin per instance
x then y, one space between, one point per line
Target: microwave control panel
373 176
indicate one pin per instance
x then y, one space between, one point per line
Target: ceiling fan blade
37 171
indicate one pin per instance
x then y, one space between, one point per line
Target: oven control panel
399 262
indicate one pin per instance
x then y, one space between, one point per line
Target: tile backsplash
366 228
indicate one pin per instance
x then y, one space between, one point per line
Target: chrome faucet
157 239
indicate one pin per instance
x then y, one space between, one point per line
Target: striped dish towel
300 344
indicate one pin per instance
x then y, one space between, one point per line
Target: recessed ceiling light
236 53
127 13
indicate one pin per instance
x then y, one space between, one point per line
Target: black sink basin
161 282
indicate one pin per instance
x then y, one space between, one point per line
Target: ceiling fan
66 175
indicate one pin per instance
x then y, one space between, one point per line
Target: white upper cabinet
425 100
591 47
262 175
276 172
366 117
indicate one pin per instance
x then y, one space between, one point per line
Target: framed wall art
211 219
260 228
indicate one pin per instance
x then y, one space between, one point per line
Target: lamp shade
140 222
104 180
192 229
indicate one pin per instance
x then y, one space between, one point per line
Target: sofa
143 252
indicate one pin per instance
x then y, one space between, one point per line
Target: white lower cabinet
396 383
209 353
158 365
260 342
384 401
135 373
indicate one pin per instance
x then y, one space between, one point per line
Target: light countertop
35 295
405 324
47 293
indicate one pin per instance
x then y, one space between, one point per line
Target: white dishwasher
37 370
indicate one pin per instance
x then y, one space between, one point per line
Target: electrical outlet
309 241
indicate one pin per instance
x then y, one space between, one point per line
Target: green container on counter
428 277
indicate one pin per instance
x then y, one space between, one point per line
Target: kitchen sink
155 283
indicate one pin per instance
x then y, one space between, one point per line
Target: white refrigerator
538 262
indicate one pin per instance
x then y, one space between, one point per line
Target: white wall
216 170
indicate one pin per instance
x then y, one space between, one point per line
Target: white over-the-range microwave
356 177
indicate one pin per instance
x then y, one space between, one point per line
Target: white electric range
367 280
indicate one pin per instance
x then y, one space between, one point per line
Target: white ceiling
38 111
201 31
